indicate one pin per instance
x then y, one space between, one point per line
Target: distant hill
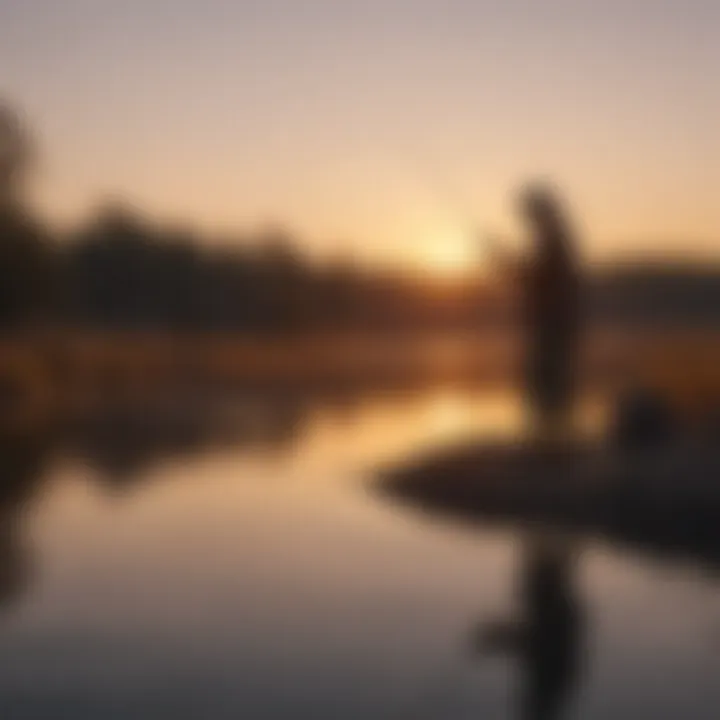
656 294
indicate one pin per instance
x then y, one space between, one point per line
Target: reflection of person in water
550 289
547 640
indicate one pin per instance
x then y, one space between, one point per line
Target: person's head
541 208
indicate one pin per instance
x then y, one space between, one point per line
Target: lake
239 564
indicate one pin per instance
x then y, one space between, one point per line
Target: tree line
122 271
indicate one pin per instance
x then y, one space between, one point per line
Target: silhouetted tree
26 277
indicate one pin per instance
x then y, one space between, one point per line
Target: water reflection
545 500
123 441
306 584
22 461
547 639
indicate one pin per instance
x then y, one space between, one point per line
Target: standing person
549 282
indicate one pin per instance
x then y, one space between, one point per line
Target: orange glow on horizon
448 256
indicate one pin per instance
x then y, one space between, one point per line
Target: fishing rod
486 244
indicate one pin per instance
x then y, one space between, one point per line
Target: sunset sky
386 128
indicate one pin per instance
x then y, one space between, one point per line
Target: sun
450 255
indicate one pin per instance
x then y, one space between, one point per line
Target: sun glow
451 255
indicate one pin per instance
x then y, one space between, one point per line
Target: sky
381 128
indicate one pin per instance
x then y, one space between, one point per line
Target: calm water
256 574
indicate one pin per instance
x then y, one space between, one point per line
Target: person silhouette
547 640
549 281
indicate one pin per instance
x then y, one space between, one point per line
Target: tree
25 277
